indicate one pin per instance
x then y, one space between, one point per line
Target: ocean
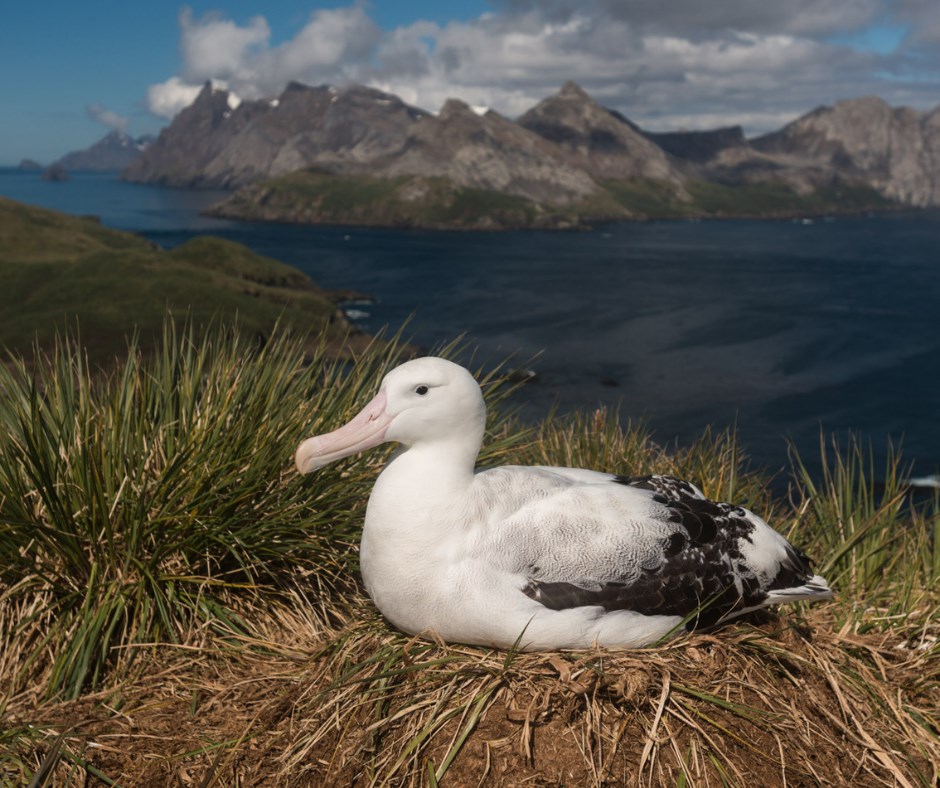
780 329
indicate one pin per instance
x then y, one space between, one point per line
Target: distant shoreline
582 223
323 199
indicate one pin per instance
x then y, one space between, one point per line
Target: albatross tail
815 588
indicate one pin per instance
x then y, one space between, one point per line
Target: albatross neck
434 468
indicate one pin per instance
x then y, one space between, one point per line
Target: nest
788 699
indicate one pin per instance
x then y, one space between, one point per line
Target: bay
779 328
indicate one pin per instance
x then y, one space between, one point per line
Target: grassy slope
56 270
320 198
769 199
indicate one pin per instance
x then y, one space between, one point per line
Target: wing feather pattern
700 570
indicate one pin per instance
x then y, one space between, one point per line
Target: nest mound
779 700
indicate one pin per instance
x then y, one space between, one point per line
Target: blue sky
73 70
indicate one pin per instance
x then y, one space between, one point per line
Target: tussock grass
140 504
176 605
749 705
873 544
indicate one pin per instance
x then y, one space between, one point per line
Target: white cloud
701 64
697 17
329 40
106 117
216 48
242 59
168 98
923 16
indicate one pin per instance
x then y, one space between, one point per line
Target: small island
55 173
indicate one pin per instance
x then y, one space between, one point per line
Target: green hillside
58 270
314 197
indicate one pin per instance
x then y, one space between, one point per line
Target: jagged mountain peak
456 108
211 100
114 151
572 90
210 91
864 140
299 87
608 145
573 101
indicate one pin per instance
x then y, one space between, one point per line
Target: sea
784 330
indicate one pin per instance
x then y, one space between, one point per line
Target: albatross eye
421 390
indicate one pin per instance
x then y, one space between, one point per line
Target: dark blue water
777 327
125 206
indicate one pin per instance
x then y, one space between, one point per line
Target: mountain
459 169
698 146
603 143
896 150
354 131
356 155
490 152
212 143
199 133
115 151
333 129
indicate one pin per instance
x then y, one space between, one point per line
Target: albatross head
422 402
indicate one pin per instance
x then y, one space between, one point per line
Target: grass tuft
873 542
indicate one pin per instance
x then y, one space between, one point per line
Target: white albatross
536 557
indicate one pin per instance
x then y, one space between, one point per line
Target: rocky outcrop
113 152
29 165
55 173
895 150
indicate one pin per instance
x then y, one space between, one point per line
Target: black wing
703 575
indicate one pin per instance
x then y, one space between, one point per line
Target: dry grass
789 700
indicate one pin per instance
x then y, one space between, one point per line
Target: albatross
542 558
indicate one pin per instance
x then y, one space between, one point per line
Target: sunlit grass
134 503
871 541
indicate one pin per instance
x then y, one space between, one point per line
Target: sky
73 71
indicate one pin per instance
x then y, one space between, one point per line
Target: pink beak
363 432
